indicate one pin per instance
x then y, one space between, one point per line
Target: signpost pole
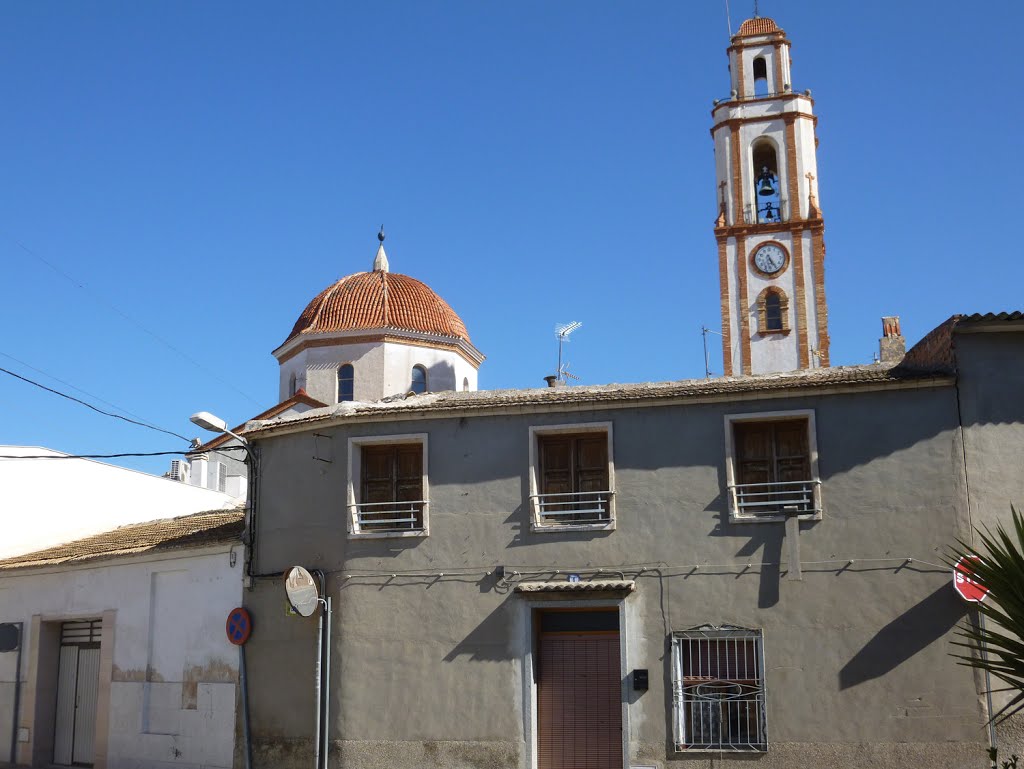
988 681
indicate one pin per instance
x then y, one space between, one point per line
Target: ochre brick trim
738 121
818 249
778 69
793 183
801 302
737 176
744 309
723 277
740 75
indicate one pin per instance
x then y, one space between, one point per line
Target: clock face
769 259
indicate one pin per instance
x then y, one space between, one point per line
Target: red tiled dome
757 26
379 299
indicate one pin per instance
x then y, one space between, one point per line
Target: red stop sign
963 580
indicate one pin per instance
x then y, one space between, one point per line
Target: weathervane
756 14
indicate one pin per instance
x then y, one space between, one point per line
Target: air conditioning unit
179 470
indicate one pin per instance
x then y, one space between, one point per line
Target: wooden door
579 691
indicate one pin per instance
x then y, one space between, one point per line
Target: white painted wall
49 501
170 618
381 369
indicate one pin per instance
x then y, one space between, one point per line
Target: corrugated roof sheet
564 586
197 530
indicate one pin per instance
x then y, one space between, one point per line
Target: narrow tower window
291 385
773 311
346 383
419 379
760 76
465 383
767 187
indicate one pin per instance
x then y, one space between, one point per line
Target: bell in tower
770 232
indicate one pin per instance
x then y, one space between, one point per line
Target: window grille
718 698
222 477
86 631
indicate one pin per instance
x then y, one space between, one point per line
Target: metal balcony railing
572 508
751 500
387 516
768 212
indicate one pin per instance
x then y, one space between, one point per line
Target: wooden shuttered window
575 465
392 474
772 452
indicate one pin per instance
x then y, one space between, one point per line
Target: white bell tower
771 250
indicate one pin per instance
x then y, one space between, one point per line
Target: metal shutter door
579 694
67 676
85 704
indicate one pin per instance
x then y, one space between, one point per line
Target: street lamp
214 424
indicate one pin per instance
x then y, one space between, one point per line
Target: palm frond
999 569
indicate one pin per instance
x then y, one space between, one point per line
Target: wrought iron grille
388 516
777 498
718 689
572 508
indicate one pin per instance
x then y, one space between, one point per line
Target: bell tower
771 251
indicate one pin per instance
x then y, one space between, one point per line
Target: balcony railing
768 212
572 508
374 517
754 500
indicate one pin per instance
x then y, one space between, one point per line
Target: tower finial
380 261
756 14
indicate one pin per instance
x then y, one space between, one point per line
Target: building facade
122 660
686 574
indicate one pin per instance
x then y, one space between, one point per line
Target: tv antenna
562 332
704 331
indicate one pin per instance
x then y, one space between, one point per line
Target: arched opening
346 383
292 388
465 384
419 379
760 76
767 186
773 311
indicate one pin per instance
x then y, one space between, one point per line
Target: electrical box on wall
639 680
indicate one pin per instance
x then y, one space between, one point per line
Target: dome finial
380 261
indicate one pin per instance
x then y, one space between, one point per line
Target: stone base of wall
368 754
442 754
802 755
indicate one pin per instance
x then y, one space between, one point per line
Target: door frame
529 685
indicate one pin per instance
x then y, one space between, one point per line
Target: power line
110 305
94 408
69 384
93 456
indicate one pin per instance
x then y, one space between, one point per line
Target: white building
124 659
48 498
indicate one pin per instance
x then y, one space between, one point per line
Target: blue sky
199 171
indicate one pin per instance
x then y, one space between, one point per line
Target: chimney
892 346
553 381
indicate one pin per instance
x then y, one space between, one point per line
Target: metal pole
988 683
319 652
707 364
327 688
17 692
244 680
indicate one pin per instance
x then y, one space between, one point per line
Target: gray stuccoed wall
429 670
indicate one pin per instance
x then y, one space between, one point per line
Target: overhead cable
102 300
94 408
